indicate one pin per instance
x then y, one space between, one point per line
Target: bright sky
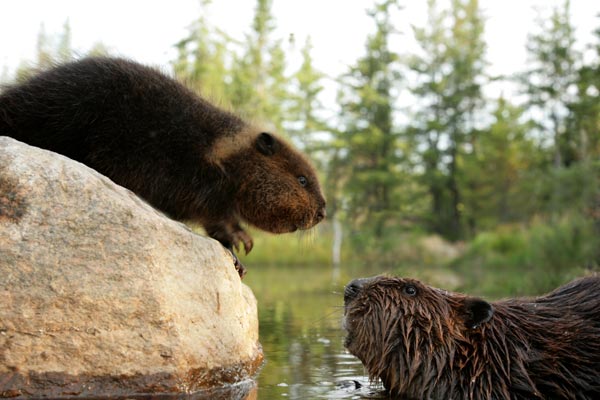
146 30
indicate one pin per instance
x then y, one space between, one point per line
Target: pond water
300 314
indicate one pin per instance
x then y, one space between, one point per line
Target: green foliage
493 174
304 248
450 71
248 76
555 191
259 84
583 119
519 259
304 104
548 81
201 60
368 136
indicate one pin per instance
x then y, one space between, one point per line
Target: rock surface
102 295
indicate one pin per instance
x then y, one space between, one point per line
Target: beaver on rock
428 343
152 135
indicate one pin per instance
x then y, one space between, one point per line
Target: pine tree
551 80
201 60
492 173
304 104
368 133
258 82
583 121
450 72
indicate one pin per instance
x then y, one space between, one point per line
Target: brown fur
185 156
435 344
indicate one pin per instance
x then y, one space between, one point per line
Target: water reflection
300 312
246 390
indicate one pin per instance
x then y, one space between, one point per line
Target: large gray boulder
101 294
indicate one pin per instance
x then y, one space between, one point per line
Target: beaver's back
579 298
554 341
120 106
130 122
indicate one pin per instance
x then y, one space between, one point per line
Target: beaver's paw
239 267
241 236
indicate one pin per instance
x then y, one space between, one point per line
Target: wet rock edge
59 385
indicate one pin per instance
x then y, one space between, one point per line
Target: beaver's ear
267 144
476 312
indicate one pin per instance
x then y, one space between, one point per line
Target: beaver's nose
353 288
321 214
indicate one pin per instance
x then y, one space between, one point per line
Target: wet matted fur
428 343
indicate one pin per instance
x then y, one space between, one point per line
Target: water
300 314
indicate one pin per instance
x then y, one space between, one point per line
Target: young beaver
152 135
427 343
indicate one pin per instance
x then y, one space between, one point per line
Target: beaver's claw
239 267
238 236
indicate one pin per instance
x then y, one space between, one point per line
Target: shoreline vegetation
512 260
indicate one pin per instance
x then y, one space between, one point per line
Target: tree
249 75
583 121
368 132
492 174
304 103
258 82
584 124
550 83
450 72
201 59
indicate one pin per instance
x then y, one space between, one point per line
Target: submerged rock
101 294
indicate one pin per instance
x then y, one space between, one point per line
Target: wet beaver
427 343
152 135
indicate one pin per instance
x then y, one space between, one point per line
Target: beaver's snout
321 214
353 288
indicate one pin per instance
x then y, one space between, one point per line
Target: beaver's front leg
230 235
240 235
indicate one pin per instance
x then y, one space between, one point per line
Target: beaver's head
277 189
407 333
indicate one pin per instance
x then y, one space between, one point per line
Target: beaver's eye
302 180
409 290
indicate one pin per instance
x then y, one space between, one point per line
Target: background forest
423 169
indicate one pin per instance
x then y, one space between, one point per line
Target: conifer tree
201 59
258 82
450 72
550 82
368 132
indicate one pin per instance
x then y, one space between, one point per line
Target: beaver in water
428 343
151 134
